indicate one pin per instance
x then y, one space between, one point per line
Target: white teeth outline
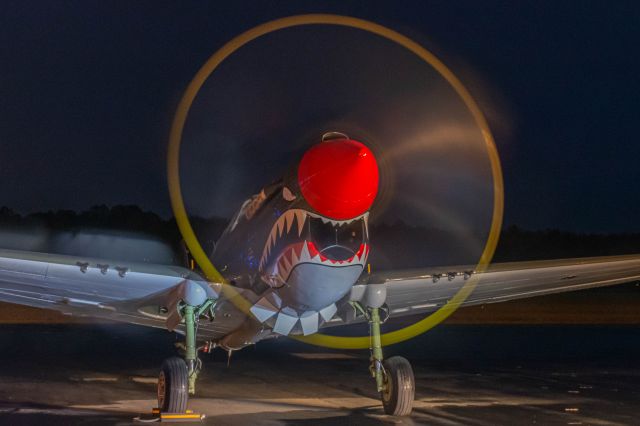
285 222
305 256
289 219
301 218
283 267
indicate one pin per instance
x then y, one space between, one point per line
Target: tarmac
465 375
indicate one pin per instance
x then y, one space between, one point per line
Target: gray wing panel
99 288
417 293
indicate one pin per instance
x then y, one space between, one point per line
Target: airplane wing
139 293
412 292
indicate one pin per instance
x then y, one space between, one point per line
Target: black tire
397 397
173 386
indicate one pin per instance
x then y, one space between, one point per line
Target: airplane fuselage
302 242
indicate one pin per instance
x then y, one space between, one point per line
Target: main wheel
173 389
397 396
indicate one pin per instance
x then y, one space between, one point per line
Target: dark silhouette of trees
399 245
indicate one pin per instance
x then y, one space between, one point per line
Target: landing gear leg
177 379
191 352
394 376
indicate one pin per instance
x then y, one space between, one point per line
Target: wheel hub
387 391
162 385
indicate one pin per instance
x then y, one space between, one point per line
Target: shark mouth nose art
314 255
299 236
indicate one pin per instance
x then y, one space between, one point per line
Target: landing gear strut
394 376
177 379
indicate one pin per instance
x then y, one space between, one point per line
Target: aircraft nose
339 178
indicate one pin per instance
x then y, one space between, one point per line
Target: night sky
88 91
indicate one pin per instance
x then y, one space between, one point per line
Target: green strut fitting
190 343
376 344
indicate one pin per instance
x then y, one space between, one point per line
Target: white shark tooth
294 258
286 267
280 225
282 275
301 218
305 256
289 219
324 219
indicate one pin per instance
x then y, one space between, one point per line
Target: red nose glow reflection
339 178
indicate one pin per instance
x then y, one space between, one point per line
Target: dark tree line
399 245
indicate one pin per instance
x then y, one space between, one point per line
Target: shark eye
287 194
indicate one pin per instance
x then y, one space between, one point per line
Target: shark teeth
301 218
364 216
285 223
306 252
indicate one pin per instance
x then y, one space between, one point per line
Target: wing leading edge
133 293
418 292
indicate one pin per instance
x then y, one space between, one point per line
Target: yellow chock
158 416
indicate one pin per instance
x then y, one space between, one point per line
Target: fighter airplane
296 255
